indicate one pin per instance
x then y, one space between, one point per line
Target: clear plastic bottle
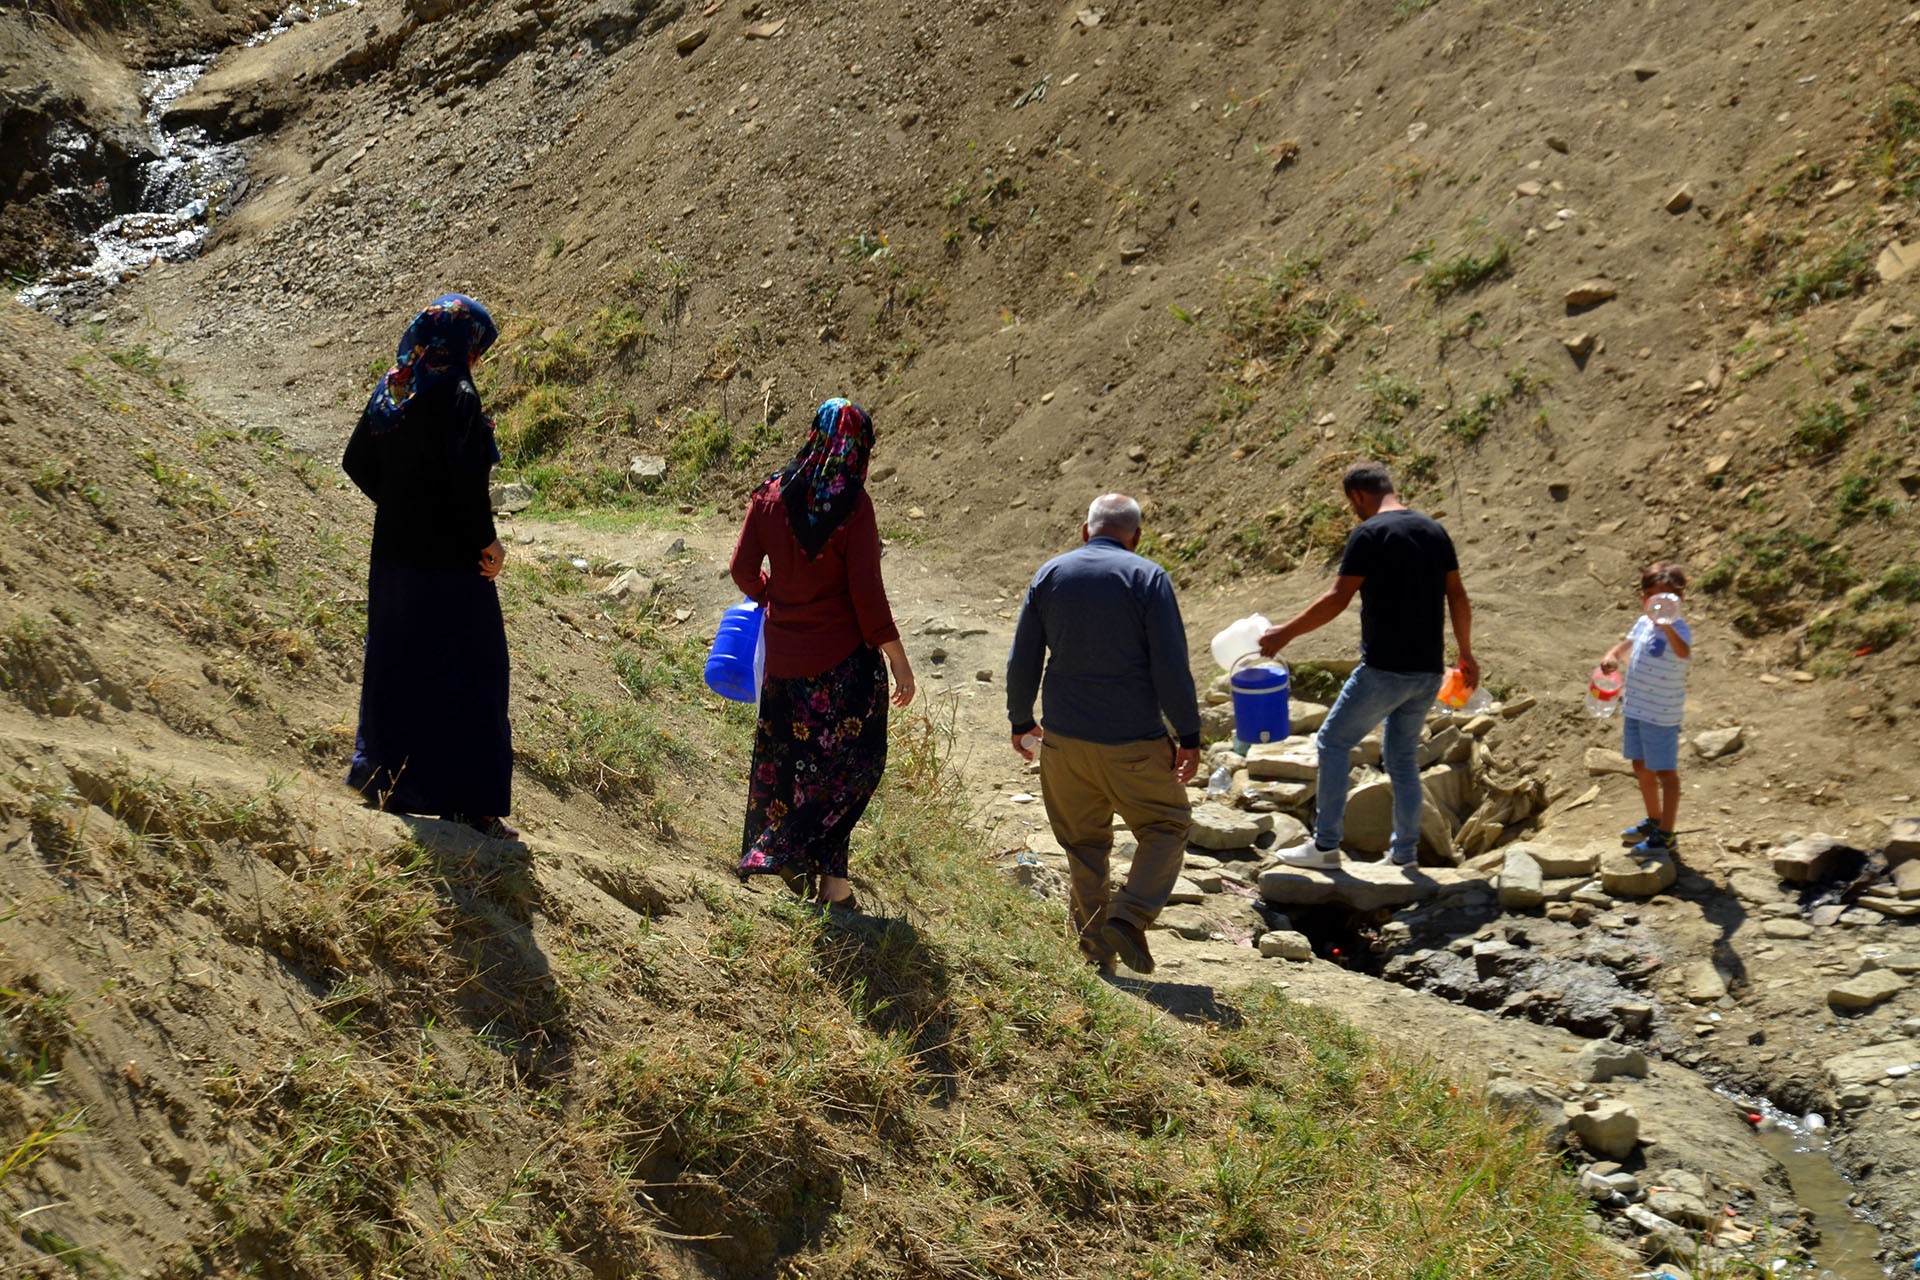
1220 783
1665 607
1603 692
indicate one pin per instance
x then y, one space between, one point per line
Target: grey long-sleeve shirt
1105 627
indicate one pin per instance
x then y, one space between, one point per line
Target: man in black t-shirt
1402 564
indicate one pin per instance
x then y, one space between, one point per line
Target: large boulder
1369 825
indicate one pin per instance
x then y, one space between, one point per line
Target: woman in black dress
433 734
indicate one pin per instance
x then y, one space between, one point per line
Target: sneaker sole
1135 958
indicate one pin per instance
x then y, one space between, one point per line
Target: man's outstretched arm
1331 604
1460 612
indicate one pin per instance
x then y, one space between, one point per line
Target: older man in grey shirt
1104 626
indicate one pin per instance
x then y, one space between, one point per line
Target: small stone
1557 143
1680 201
1601 761
1610 1128
1215 826
1286 945
1590 293
1514 1098
1896 260
1528 190
687 43
1906 879
509 498
1520 882
1903 841
1789 929
630 585
1603 1060
1136 453
1579 346
1715 743
1704 983
916 513
647 467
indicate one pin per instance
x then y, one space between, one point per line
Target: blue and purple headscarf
437 349
826 478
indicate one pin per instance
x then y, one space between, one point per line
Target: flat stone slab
1560 862
1789 929
1866 990
1216 826
1903 841
1294 760
1365 886
1637 875
1864 1066
1807 861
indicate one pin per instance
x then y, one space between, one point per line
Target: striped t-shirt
1656 677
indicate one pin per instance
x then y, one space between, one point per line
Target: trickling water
1848 1243
187 182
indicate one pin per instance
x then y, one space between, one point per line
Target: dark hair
1367 477
1662 575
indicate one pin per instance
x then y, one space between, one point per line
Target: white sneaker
1407 859
1308 854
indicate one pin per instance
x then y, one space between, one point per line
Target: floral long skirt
818 753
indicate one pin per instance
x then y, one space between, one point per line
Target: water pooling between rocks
1849 1245
186 180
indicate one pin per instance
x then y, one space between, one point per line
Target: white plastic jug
1238 639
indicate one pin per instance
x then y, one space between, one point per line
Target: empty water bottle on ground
1220 783
1603 692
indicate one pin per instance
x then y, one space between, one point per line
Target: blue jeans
1402 699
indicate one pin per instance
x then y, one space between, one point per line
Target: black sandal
848 903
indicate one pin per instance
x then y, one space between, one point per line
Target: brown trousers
1084 784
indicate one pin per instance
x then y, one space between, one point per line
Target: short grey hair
1113 513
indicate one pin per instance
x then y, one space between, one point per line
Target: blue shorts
1657 746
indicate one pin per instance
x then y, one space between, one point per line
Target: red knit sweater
819 610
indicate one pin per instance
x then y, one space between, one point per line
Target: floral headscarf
440 346
826 478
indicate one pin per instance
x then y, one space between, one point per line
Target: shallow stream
185 183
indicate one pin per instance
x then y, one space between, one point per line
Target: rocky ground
1604 286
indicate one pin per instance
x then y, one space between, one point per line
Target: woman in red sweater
821 743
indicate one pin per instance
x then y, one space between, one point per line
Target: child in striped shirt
1656 656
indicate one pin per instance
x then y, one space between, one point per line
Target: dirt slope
1205 252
